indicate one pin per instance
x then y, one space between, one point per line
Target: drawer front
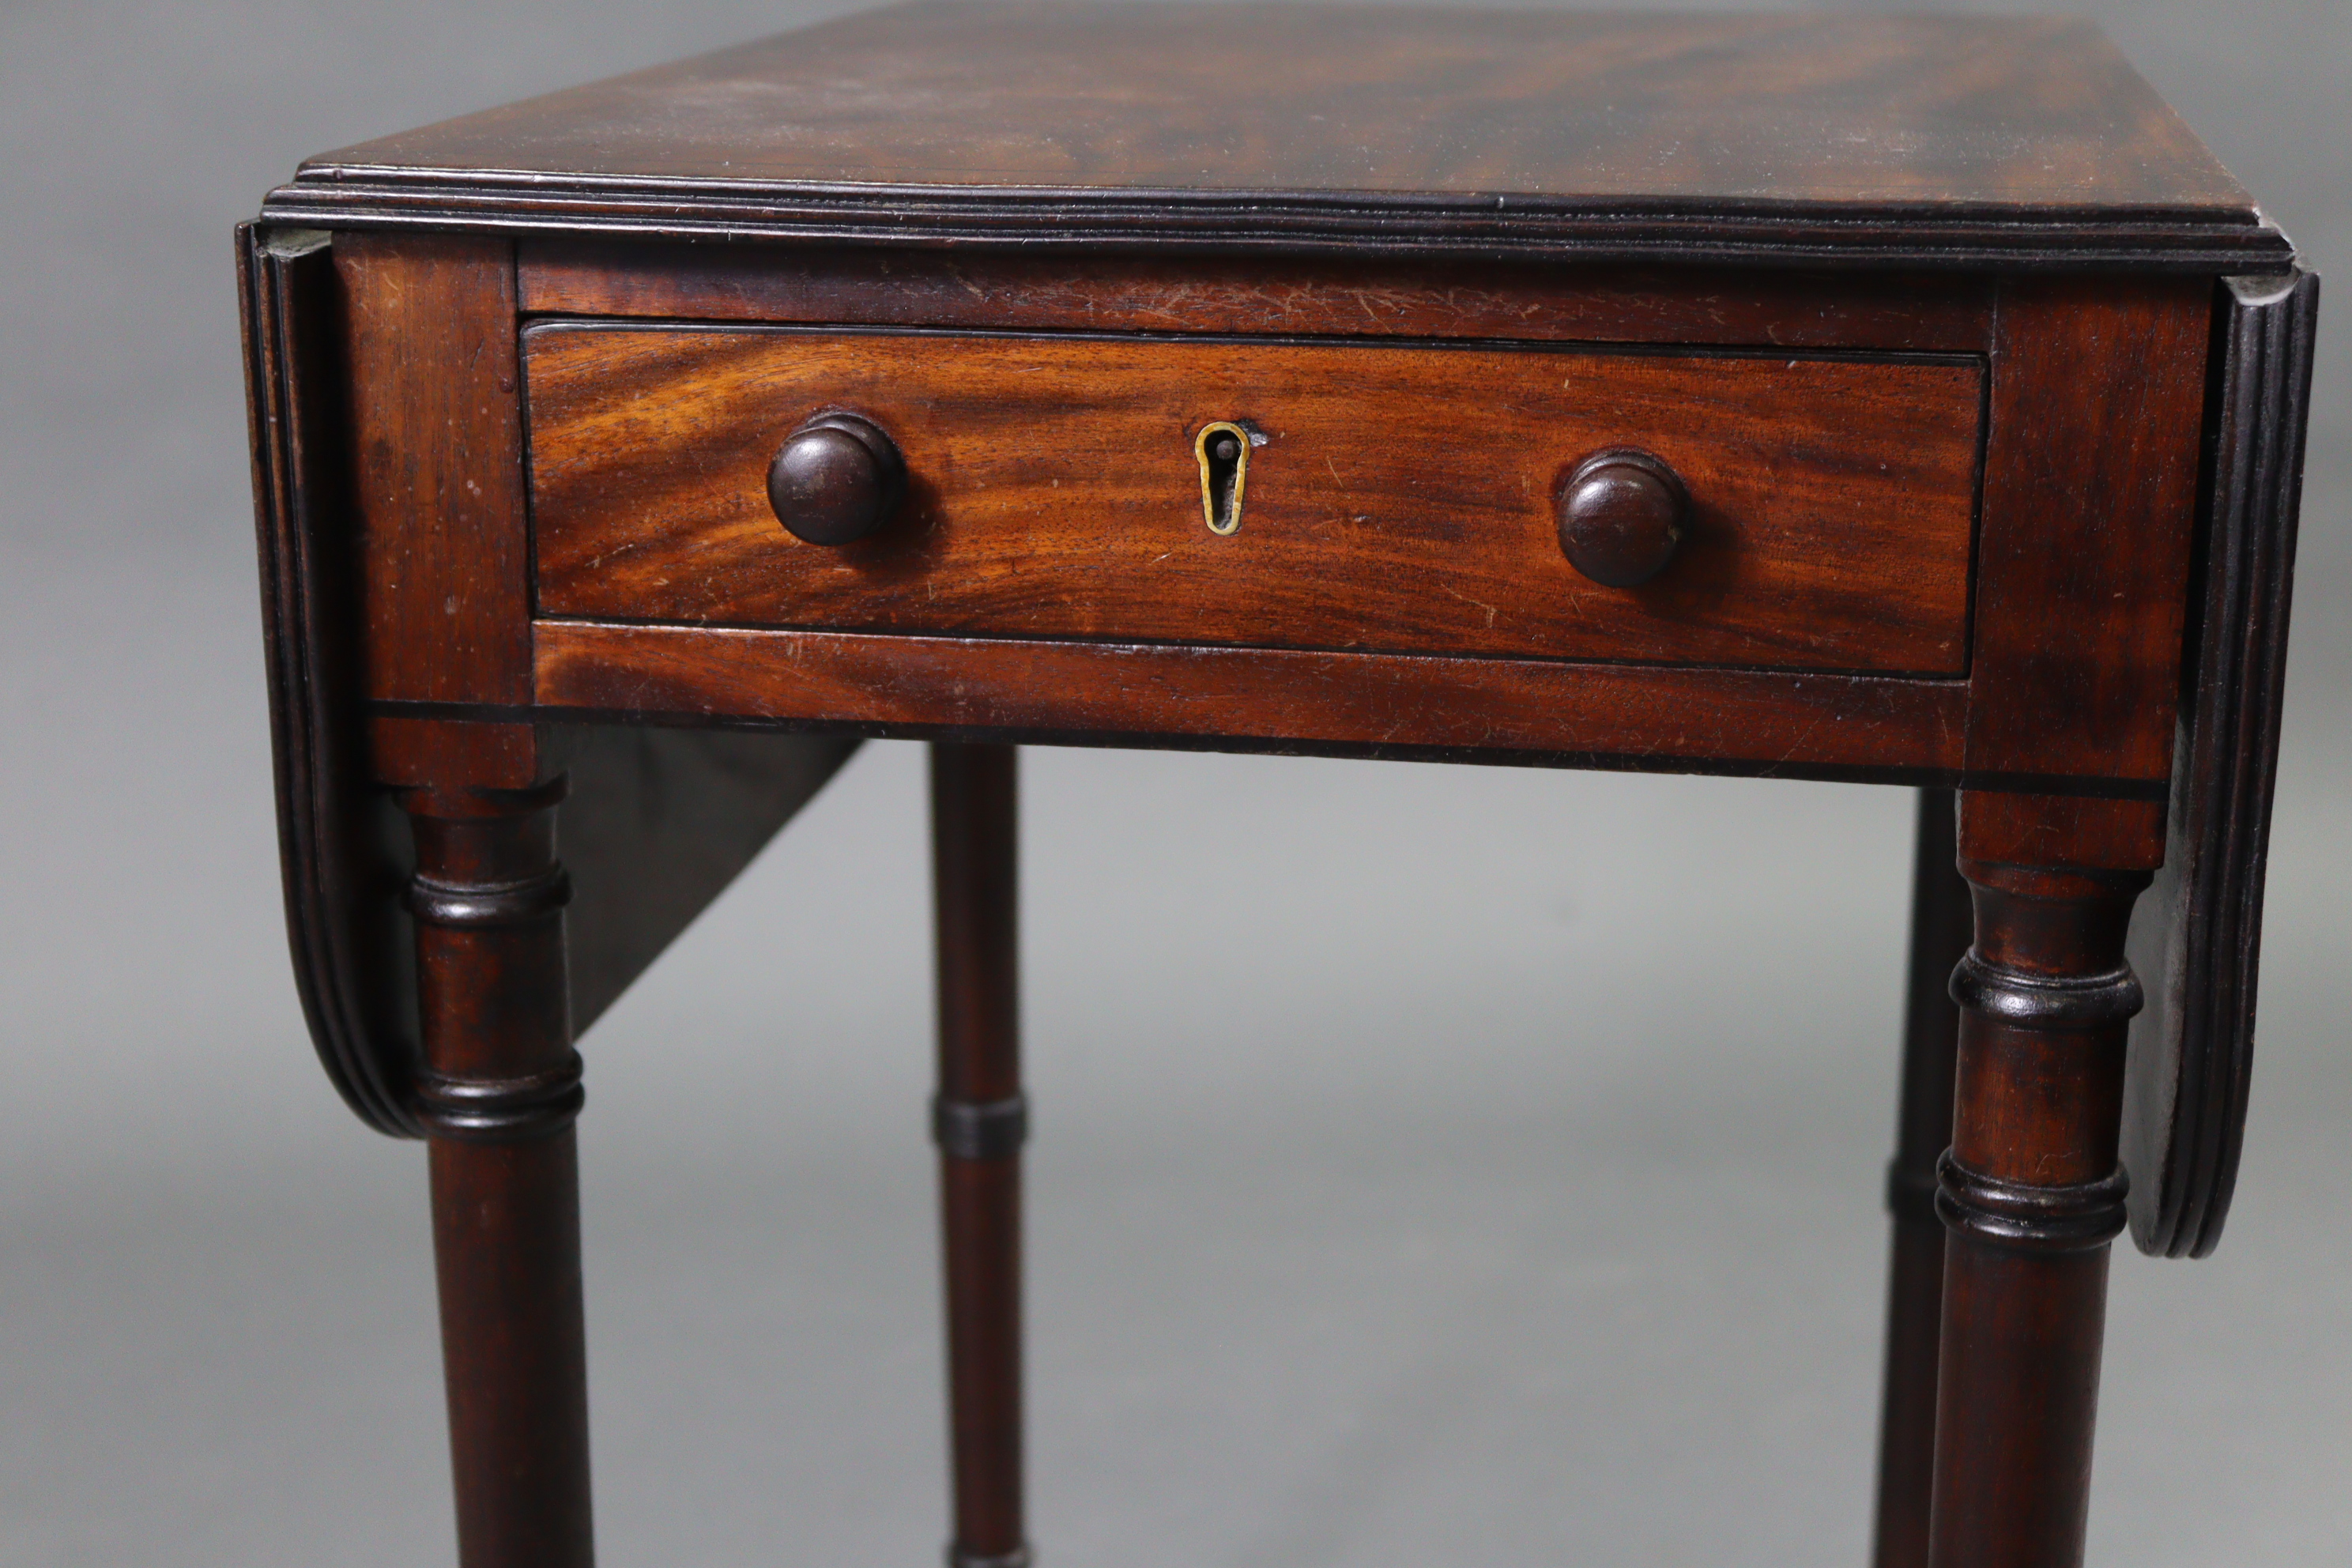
1400 498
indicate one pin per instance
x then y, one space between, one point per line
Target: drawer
1396 498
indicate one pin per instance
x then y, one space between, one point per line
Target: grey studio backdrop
1435 1165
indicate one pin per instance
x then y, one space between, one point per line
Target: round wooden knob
837 479
1621 513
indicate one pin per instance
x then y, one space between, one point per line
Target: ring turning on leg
2030 1196
978 1119
497 1094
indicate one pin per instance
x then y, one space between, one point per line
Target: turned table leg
1907 1439
2030 1189
497 1095
979 1120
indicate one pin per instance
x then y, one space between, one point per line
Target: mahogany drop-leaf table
1904 400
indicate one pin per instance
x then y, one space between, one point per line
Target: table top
1958 138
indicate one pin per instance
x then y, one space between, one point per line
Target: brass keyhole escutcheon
1224 450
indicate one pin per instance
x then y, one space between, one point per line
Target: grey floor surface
1433 1164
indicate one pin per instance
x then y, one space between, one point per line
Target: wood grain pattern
438 450
2090 495
1173 97
818 285
1400 498
1917 308
1305 126
1646 717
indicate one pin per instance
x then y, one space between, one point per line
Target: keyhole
1224 451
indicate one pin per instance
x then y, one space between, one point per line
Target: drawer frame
649 440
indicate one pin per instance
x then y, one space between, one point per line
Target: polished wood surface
496 1097
445 567
2077 538
1369 127
837 480
2031 113
1624 514
1398 499
341 845
2090 504
2193 1048
1942 923
1984 381
657 821
1625 716
2030 1189
980 1120
1322 297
